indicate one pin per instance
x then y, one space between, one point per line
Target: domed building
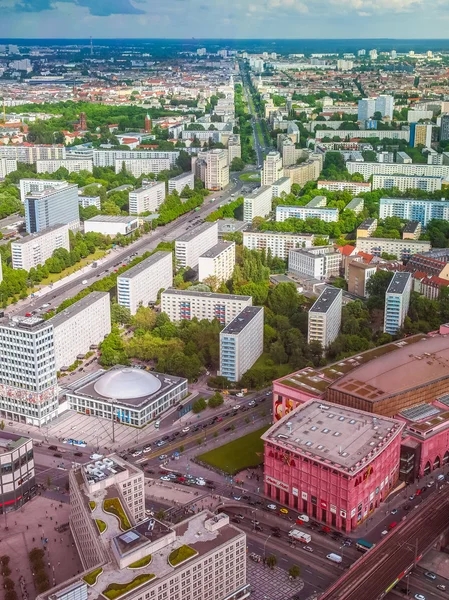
133 396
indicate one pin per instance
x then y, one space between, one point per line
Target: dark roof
398 283
241 320
326 299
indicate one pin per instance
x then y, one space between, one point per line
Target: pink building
295 389
333 463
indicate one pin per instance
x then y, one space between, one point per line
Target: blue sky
224 18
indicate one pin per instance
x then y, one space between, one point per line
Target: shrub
11 595
143 562
5 560
180 555
6 571
199 405
114 590
216 400
114 506
92 505
91 578
101 525
8 584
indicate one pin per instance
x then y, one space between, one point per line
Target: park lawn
244 452
250 176
264 361
79 265
260 134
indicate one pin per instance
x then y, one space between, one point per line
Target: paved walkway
271 584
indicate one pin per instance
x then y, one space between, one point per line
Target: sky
224 18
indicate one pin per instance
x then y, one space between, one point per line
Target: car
84 282
418 492
277 534
147 449
237 497
57 454
394 511
236 520
430 484
252 403
28 314
430 575
228 428
268 394
423 489
237 407
78 454
419 597
255 522
219 419
272 506
163 456
392 525
412 497
53 447
441 587
240 516
307 548
137 453
166 438
200 482
172 475
258 528
165 478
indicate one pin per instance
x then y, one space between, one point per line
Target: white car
137 453
200 482
271 506
165 478
84 282
236 407
163 457
307 548
186 430
240 395
147 449
252 403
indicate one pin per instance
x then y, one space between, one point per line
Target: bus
364 546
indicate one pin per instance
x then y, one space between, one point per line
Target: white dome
124 384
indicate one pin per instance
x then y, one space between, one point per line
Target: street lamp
264 546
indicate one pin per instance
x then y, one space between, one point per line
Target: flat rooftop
326 299
110 219
399 283
180 177
75 309
35 236
241 320
145 264
426 420
145 533
25 323
317 201
212 295
11 441
217 249
257 192
395 372
366 224
102 469
282 233
411 226
193 233
337 435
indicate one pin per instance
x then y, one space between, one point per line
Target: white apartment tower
397 302
217 169
147 198
184 305
192 244
34 249
272 168
140 284
258 203
218 262
325 317
179 182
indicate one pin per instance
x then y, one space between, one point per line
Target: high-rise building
397 301
359 274
325 317
218 262
272 168
32 186
412 209
7 166
184 305
241 343
52 206
444 128
421 134
28 384
258 203
373 54
17 475
373 168
385 105
140 285
192 244
147 198
366 109
32 250
179 182
217 169
73 165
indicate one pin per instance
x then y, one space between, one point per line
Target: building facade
258 203
281 186
192 244
279 243
241 343
52 206
416 169
319 262
72 165
306 212
142 166
7 166
272 168
324 317
180 182
147 198
412 209
407 182
33 250
17 475
32 186
217 169
108 158
140 285
353 187
401 249
111 225
397 302
217 262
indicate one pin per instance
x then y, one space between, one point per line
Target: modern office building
333 463
147 198
324 318
277 242
7 166
142 166
272 168
28 385
412 209
401 249
17 475
80 326
50 207
353 187
218 262
258 203
184 305
319 262
125 395
241 343
415 169
281 186
397 302
306 212
366 109
111 225
180 182
32 186
407 182
140 285
109 158
192 244
72 165
34 249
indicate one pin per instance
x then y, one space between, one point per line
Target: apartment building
412 230
140 285
306 212
407 182
17 474
7 166
31 186
217 262
359 274
217 169
30 154
396 134
181 305
34 249
403 158
281 186
417 170
28 384
241 343
258 203
366 109
109 158
319 262
192 244
272 168
52 206
353 187
307 171
366 228
147 198
356 205
397 301
278 243
85 201
180 182
324 318
412 209
401 249
142 166
80 326
421 134
290 154
72 165
234 148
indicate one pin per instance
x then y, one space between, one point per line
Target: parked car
163 456
430 575
57 454
307 548
272 506
394 511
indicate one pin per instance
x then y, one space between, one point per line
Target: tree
113 349
160 515
284 299
216 400
277 353
145 318
271 561
237 164
376 288
294 571
120 314
199 405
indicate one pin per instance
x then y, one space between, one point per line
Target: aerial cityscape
224 301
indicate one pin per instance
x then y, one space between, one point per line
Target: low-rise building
226 226
179 182
324 317
401 249
140 285
353 187
218 262
278 242
241 343
184 305
34 249
85 201
356 205
305 212
412 230
142 166
366 228
111 225
397 301
147 198
80 326
258 203
319 262
192 244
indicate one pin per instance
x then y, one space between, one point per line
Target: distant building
192 244
7 166
412 230
140 285
85 201
356 205
366 109
114 158
308 170
401 249
272 168
111 225
359 274
180 182
397 301
33 250
241 343
394 169
213 169
147 198
407 182
17 474
52 206
353 187
142 166
444 128
366 228
72 165
324 318
412 209
305 212
218 262
421 134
